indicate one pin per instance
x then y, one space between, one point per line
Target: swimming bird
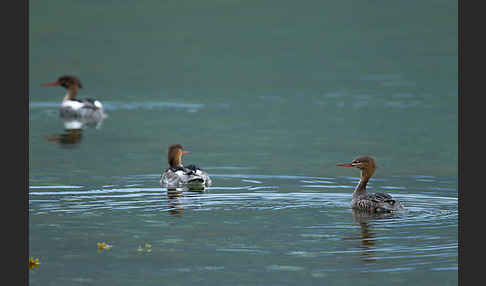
71 107
362 200
177 175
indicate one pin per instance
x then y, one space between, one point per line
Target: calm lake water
267 96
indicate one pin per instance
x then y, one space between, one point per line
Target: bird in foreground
362 200
179 176
87 109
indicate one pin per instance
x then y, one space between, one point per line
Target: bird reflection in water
174 196
73 131
367 236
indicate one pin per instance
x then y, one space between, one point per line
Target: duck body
89 109
364 201
178 175
378 202
190 176
82 108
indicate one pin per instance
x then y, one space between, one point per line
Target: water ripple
314 212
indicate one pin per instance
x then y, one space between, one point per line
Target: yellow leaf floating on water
33 263
103 246
147 246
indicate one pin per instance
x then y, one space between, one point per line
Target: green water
268 96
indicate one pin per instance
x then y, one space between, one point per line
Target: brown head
66 81
71 83
174 155
366 164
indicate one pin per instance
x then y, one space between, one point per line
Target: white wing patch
179 178
74 105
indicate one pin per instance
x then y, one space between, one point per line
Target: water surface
268 97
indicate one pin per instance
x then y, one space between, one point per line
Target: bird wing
172 178
381 197
384 201
88 103
195 170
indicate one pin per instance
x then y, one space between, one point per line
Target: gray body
193 178
378 202
86 109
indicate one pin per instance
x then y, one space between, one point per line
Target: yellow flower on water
148 248
103 245
33 263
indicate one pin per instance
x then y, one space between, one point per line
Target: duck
177 175
364 201
88 109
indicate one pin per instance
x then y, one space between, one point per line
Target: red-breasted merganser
378 202
72 107
177 175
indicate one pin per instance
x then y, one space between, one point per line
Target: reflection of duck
177 175
72 107
378 202
175 205
73 131
367 236
70 137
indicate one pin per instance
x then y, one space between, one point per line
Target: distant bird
376 203
87 109
177 175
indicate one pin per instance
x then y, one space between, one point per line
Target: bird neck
361 187
175 162
71 93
